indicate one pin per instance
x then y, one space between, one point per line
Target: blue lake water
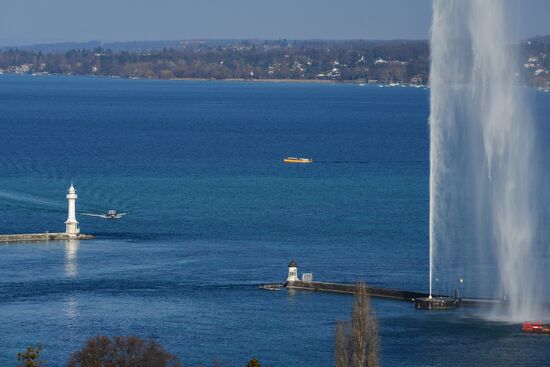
213 212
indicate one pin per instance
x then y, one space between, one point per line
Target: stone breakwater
350 289
31 237
388 293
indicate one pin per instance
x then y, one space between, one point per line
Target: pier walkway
32 237
350 289
388 293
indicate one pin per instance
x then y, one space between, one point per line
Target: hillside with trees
359 61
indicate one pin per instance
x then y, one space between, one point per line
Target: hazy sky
38 21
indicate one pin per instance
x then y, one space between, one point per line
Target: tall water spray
482 176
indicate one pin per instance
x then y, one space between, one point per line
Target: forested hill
398 61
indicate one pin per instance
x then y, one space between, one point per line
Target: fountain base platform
435 303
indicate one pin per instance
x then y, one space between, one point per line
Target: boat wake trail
342 162
12 196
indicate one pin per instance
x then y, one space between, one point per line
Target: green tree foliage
122 351
31 357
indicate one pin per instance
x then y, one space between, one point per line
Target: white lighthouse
72 228
292 272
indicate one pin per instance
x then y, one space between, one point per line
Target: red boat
536 327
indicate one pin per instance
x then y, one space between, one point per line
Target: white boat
111 214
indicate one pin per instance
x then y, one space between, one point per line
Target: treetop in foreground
122 351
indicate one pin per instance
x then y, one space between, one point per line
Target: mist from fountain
483 178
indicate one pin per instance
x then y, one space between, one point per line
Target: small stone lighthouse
292 272
72 228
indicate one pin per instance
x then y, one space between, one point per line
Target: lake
213 212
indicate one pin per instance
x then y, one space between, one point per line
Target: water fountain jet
482 179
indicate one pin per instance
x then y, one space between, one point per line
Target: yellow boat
297 160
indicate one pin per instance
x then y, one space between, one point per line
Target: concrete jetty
32 237
388 293
350 289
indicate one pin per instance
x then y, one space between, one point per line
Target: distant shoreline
265 80
299 81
